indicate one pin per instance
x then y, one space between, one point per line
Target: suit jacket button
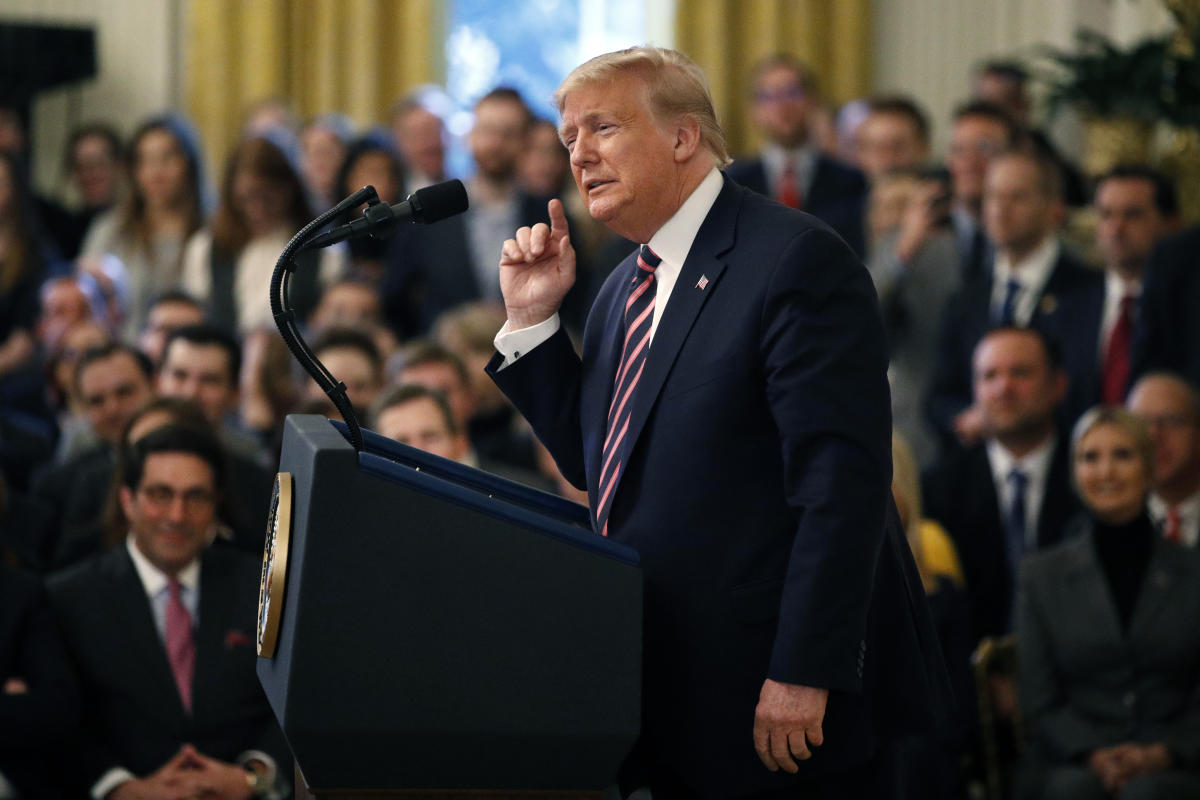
1129 699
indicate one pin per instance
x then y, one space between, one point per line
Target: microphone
379 220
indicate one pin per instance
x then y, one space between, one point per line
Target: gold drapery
352 56
727 37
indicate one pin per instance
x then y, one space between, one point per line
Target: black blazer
36 726
960 493
757 493
1068 312
1167 335
132 714
837 196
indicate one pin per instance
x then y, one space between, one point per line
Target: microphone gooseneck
379 220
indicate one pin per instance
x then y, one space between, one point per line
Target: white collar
1034 270
1035 463
1116 287
1189 508
673 241
153 579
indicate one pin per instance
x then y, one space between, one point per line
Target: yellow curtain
353 56
727 37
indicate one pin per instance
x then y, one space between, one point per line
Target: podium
427 626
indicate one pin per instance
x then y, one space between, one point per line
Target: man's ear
687 138
126 497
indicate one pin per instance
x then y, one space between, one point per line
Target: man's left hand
787 723
217 779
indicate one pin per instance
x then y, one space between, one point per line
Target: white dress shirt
1189 517
1036 466
671 243
1032 272
776 159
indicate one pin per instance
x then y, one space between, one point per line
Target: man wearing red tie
729 419
160 630
791 167
1171 407
1136 207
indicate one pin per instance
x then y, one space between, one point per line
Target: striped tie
639 313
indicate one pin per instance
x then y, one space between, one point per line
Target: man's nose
177 509
583 152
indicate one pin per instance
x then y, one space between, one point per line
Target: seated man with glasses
161 632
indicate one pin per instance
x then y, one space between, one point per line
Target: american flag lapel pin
702 284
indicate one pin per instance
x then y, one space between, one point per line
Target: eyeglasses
1168 421
163 497
778 95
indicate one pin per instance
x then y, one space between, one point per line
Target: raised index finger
558 220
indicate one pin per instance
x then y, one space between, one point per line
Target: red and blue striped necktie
639 314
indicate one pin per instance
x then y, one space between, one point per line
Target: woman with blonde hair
1107 637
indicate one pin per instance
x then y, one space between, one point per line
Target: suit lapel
1085 587
137 631
1157 586
215 612
697 281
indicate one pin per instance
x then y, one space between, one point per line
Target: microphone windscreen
441 200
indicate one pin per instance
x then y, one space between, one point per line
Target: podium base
304 793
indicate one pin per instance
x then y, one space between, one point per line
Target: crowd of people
1045 399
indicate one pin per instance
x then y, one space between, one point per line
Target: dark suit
34 726
1085 682
756 492
1068 311
132 713
1167 336
960 494
837 195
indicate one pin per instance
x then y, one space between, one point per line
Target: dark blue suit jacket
757 493
837 196
1068 312
1167 336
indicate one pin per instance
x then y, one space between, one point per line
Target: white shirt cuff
109 781
512 344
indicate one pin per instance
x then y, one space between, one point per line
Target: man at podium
729 419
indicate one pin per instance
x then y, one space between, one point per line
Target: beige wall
137 44
927 47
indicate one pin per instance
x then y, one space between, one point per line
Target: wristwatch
259 782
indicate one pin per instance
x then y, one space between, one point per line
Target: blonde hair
906 490
675 88
1125 421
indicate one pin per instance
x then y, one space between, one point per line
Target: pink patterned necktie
181 646
639 313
